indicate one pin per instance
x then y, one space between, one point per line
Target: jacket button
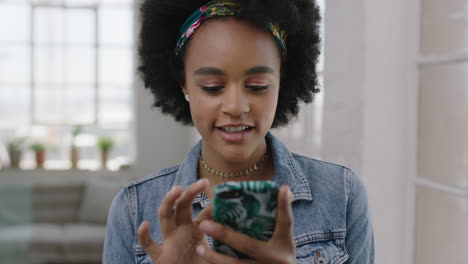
320 260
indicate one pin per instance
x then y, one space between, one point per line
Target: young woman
235 69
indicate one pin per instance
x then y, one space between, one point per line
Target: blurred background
76 124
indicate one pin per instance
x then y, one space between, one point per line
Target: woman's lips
234 137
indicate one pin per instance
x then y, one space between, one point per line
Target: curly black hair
163 72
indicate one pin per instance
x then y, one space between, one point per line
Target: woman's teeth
234 129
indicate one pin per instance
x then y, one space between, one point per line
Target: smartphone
248 207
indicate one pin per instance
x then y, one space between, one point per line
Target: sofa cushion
45 243
14 245
97 199
42 242
57 203
84 243
15 204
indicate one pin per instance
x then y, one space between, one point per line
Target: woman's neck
265 172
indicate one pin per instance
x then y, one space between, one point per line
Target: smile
235 129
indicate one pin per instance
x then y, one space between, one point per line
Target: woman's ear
185 91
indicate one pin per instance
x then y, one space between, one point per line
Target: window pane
115 107
117 2
115 26
81 2
444 28
80 104
443 125
64 105
80 26
18 15
116 66
48 104
17 2
14 106
15 64
81 65
49 26
48 2
49 65
440 226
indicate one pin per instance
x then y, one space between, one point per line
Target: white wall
370 113
388 126
343 83
160 141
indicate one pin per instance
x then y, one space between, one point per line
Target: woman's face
232 73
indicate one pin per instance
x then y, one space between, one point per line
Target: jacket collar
287 172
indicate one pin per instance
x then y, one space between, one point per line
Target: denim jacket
332 222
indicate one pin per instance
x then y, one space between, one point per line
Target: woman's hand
181 234
280 249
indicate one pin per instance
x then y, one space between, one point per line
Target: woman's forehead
223 43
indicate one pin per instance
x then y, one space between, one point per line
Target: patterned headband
221 8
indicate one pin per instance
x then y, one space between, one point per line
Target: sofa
55 221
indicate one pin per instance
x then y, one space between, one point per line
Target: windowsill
8 175
63 166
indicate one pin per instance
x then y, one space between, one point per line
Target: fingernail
201 181
290 196
200 250
207 227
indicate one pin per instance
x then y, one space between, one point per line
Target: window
65 63
442 181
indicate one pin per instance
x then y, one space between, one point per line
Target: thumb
144 238
284 217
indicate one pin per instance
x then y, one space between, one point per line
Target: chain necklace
228 175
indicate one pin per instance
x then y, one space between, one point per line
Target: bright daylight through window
66 78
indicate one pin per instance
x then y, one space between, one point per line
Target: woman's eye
257 87
212 89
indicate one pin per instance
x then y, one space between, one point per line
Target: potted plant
39 150
74 152
14 151
105 144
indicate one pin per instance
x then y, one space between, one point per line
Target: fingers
184 203
205 214
214 257
166 211
144 238
243 243
284 217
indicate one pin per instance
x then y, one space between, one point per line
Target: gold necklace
227 175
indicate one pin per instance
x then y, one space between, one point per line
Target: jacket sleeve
120 231
359 240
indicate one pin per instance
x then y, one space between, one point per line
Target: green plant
38 147
77 130
105 143
16 144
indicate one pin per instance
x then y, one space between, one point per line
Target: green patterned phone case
248 207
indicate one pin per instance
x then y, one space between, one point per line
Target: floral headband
221 8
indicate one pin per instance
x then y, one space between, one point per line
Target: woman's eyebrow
208 71
260 70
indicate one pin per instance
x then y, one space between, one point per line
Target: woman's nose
235 101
